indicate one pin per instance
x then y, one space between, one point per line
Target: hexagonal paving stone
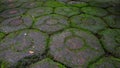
46 63
16 23
88 22
12 12
18 45
7 1
106 62
99 4
35 12
54 4
31 4
77 4
67 11
75 48
113 21
51 23
11 5
94 11
111 41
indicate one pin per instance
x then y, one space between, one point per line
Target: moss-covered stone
94 11
15 23
77 4
46 63
32 4
113 21
12 12
35 12
75 48
67 11
106 62
51 23
111 41
54 4
88 22
114 9
18 45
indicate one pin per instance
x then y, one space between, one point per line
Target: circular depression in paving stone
18 45
111 41
67 11
94 11
106 62
31 4
40 11
46 63
51 23
75 48
88 22
113 21
15 23
12 12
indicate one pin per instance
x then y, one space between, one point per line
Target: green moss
1 35
77 4
94 11
3 64
54 4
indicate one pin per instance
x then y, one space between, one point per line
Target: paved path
59 34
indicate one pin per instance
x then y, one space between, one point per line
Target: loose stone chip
111 41
67 11
35 12
12 12
94 11
113 21
106 62
16 46
51 23
15 23
46 63
75 48
88 22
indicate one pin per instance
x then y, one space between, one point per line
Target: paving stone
75 48
15 23
35 12
67 11
11 5
111 41
12 12
99 4
94 11
113 21
114 9
45 63
18 45
107 62
88 22
31 4
7 1
77 4
54 4
51 23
